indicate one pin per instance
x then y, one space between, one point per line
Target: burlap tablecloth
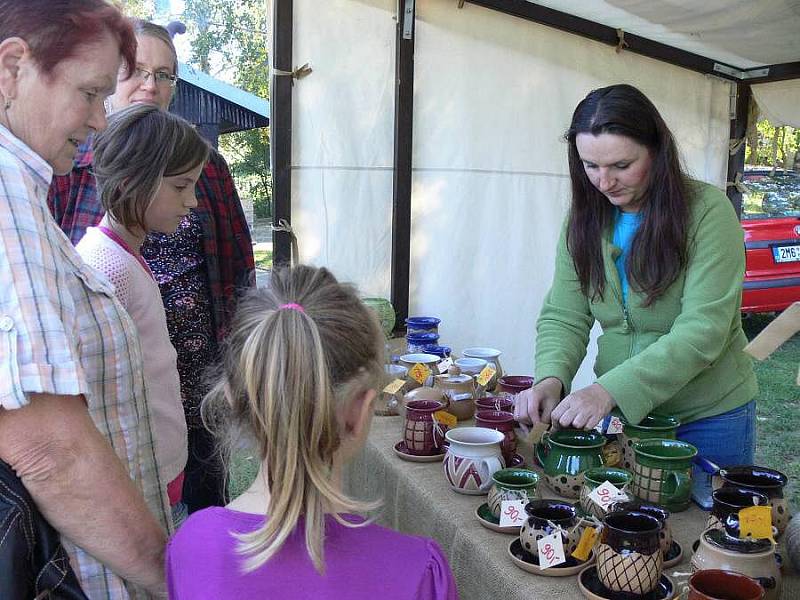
417 500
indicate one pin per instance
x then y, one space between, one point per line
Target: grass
778 408
263 259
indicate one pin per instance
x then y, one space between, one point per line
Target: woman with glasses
201 268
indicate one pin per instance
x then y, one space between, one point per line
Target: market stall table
418 500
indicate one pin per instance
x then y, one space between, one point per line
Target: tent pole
281 128
401 181
738 132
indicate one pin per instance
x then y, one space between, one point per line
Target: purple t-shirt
367 562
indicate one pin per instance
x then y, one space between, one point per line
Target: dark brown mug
716 584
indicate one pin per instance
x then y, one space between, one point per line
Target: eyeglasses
162 78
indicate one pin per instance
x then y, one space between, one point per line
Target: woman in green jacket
658 260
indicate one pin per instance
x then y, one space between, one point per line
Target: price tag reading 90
606 493
551 551
512 513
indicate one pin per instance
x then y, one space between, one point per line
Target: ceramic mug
629 557
504 423
542 516
503 403
660 513
764 480
473 456
470 366
564 456
729 501
422 393
492 358
429 360
716 584
514 384
652 426
594 477
423 437
662 472
512 484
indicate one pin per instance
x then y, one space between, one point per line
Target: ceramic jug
564 456
472 458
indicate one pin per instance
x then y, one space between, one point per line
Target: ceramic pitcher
472 457
565 455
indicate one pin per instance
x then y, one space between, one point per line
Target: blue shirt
624 231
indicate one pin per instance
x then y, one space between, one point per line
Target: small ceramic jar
512 484
543 515
460 392
629 557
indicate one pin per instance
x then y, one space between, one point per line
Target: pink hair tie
292 306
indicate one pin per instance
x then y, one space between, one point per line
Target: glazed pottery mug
592 478
764 480
473 456
423 436
544 517
421 393
722 549
470 366
492 358
716 584
662 514
652 426
629 557
512 484
564 456
389 404
729 501
409 360
662 472
504 423
503 403
514 384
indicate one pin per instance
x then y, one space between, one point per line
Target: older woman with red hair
74 422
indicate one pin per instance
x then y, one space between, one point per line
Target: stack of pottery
504 423
662 472
565 455
723 549
759 479
423 436
473 456
652 426
492 358
459 389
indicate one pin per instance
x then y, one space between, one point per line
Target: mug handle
542 449
682 482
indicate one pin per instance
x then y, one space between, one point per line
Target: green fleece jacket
683 354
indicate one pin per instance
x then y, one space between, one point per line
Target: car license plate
783 254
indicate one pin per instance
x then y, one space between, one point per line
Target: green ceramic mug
512 484
652 426
592 478
564 456
662 472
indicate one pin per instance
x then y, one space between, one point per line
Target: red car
771 222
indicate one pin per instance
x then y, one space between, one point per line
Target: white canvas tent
492 95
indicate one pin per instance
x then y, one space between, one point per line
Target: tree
142 9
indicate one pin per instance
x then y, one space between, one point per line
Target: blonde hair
286 374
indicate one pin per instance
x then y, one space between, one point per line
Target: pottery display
513 384
662 514
629 557
504 423
716 584
472 457
729 501
422 435
492 358
504 403
422 325
592 588
662 472
564 456
387 405
421 393
409 360
652 426
718 549
512 484
542 518
761 479
619 478
459 390
416 342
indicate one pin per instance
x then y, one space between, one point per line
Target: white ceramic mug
472 457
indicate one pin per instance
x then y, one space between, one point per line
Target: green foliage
775 145
143 9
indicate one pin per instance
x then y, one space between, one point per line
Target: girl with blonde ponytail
302 368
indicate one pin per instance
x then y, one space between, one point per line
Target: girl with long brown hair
656 258
301 370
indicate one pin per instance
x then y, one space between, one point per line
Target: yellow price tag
755 522
585 544
395 386
419 373
445 418
485 375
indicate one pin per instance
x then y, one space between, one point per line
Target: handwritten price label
551 551
512 513
394 387
755 522
444 366
606 493
586 544
485 375
419 373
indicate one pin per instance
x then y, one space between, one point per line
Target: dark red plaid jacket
226 240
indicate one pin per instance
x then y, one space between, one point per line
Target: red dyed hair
56 29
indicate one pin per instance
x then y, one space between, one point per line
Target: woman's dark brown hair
658 252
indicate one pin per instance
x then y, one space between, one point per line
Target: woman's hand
584 408
534 405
